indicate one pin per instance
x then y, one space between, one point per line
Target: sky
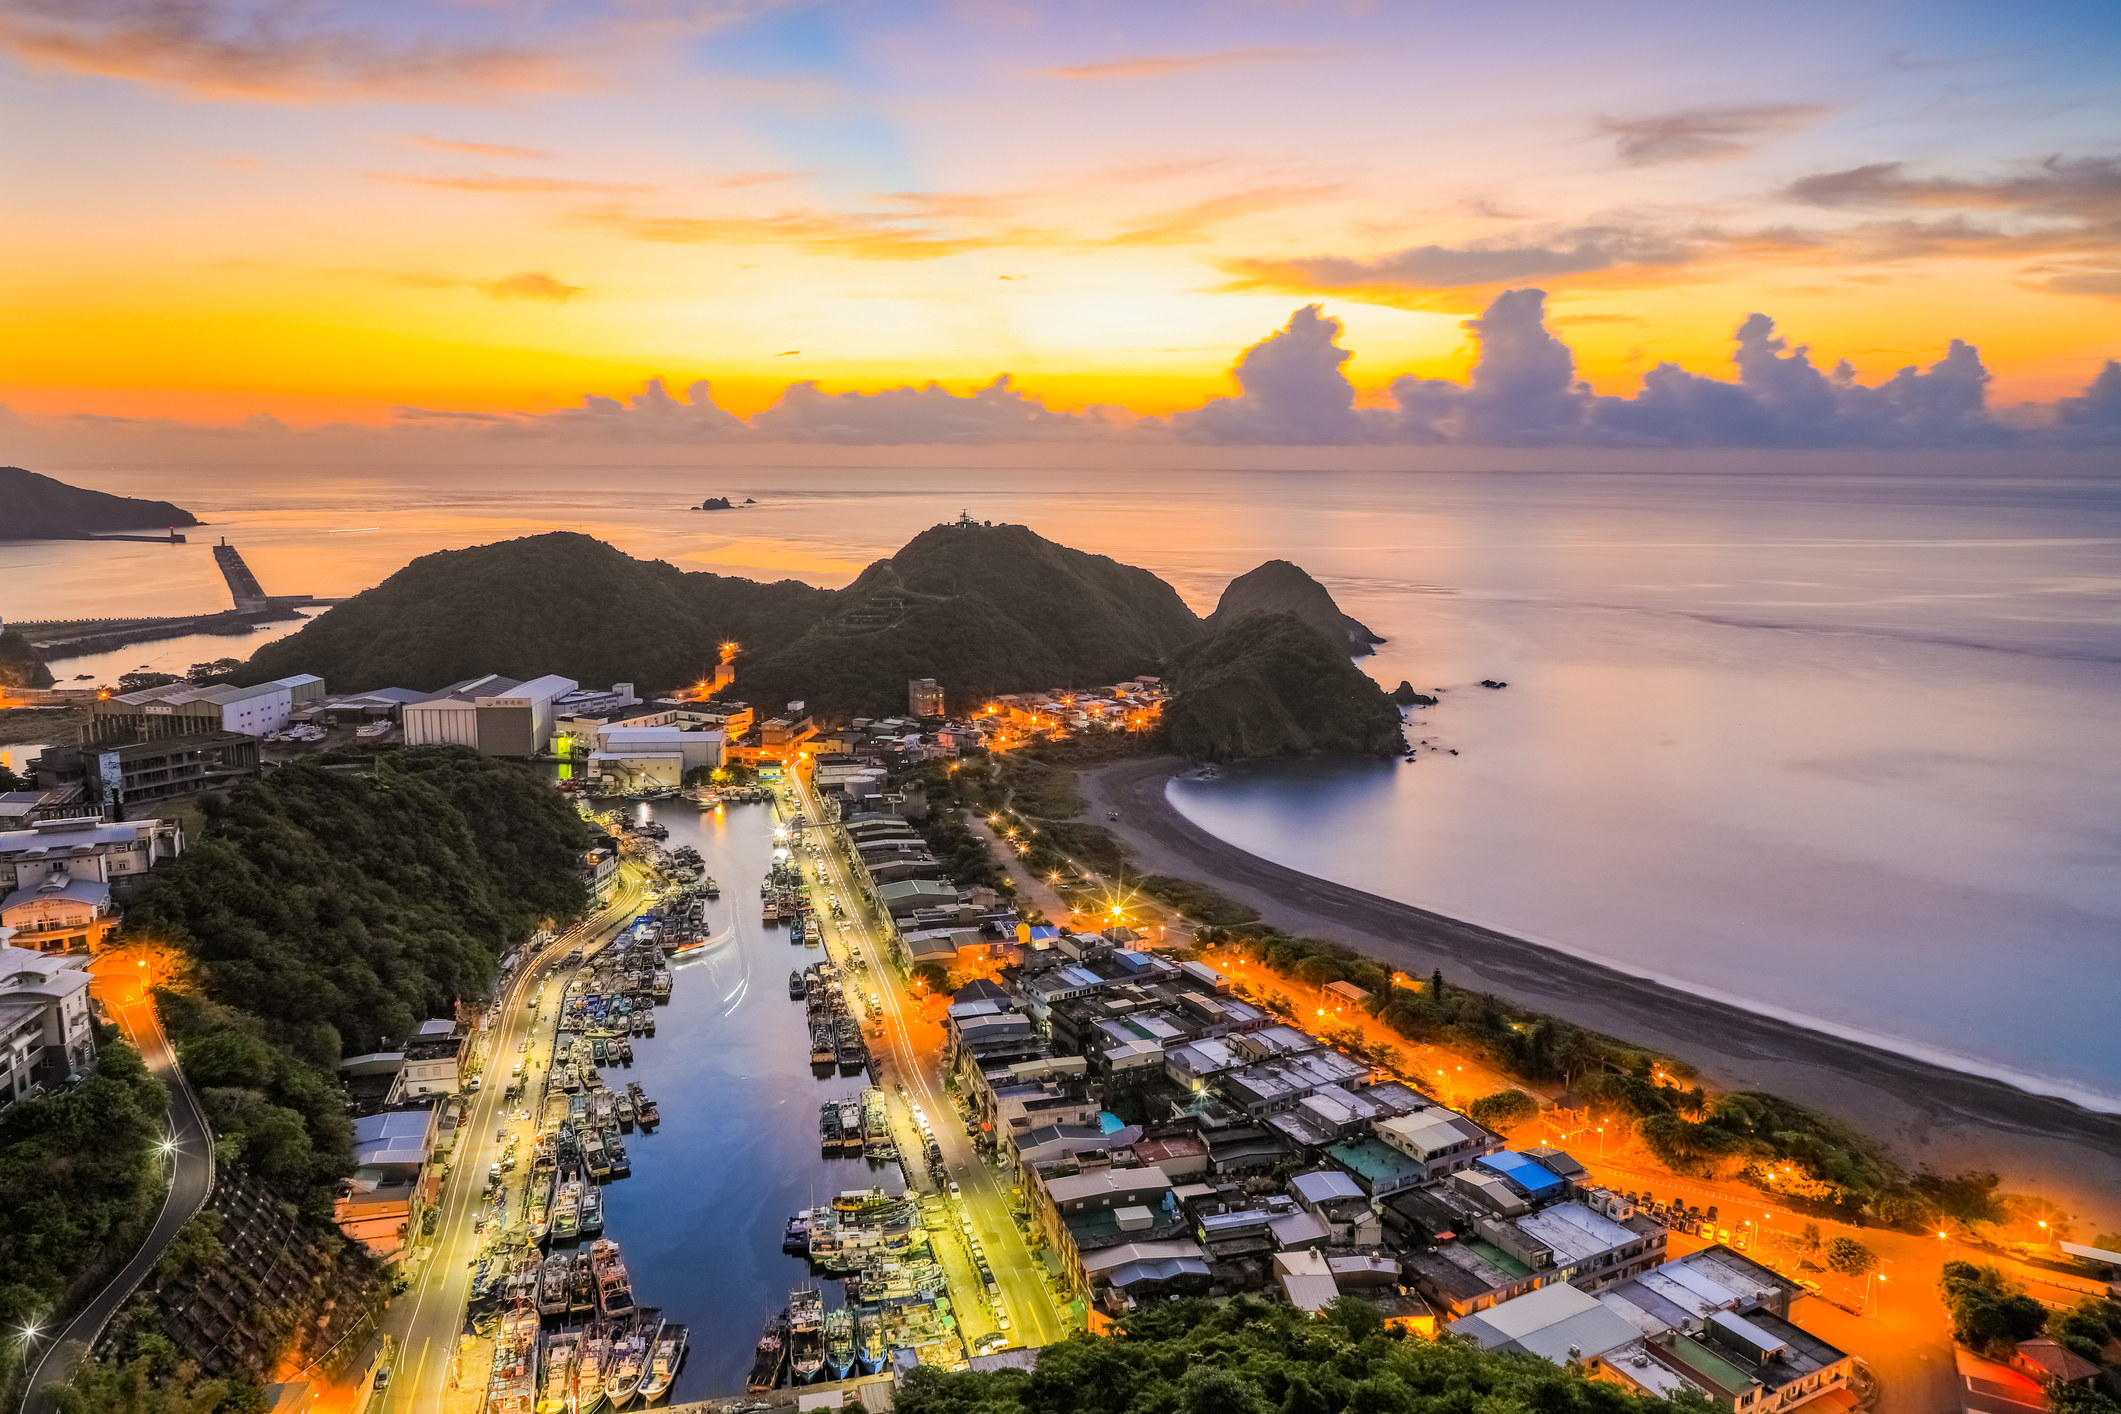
489 217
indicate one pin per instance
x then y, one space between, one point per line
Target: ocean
1841 748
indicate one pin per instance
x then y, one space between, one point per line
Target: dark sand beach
1930 1116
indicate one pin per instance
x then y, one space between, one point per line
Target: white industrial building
183 708
633 758
496 715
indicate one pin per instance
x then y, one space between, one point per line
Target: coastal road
428 1318
917 1063
191 1180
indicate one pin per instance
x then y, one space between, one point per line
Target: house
116 853
1338 1201
2051 1364
1557 1323
1441 1141
60 913
434 1056
923 698
45 1031
381 1204
909 896
1306 1280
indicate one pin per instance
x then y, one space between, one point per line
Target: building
1440 1140
118 778
630 757
1557 1323
45 1033
187 709
60 913
119 854
381 1204
492 714
433 1061
923 699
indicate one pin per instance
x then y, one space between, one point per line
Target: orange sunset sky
328 211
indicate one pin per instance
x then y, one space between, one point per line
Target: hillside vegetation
557 603
1247 1356
20 663
1272 685
1278 587
327 915
983 609
35 507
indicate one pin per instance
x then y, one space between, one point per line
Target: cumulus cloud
267 49
933 414
650 415
1294 392
1693 134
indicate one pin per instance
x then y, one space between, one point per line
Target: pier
79 638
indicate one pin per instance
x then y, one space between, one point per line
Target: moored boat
591 1222
592 1370
839 1343
556 1372
614 1287
663 1363
806 1334
629 1359
771 1356
554 1277
868 1344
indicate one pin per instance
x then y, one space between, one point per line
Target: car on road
953 1188
989 1343
383 1378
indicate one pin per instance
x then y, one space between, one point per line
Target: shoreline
1926 1115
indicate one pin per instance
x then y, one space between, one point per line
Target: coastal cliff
1271 684
35 507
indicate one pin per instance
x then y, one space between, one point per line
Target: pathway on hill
191 1182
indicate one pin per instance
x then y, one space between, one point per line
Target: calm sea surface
1840 748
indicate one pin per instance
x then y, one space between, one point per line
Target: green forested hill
326 915
982 609
1278 587
556 603
1272 685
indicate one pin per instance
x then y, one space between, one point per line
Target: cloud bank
1293 390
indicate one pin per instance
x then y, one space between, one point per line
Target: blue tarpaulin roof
1525 1173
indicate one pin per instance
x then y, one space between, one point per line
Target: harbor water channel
702 1216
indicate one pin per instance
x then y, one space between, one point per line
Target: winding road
191 1181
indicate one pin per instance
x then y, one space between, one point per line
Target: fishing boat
593 1369
629 1359
796 989
824 1043
556 1372
594 1155
868 1343
660 984
806 1334
663 1364
625 1112
644 1111
839 1343
537 1214
591 1221
622 1050
711 888
850 1126
513 1387
567 1212
554 1275
795 1237
581 1287
849 1050
770 909
614 1287
615 1153
795 930
772 1354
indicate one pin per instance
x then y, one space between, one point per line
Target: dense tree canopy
1271 685
329 914
78 1181
1249 1357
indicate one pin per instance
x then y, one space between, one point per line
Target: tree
136 682
1990 1312
219 670
932 975
1849 1257
1436 985
1505 1109
1808 1239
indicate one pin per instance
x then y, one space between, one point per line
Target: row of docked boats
806 1344
607 1363
835 1036
856 1126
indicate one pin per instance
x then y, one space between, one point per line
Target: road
191 1181
914 1056
428 1318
